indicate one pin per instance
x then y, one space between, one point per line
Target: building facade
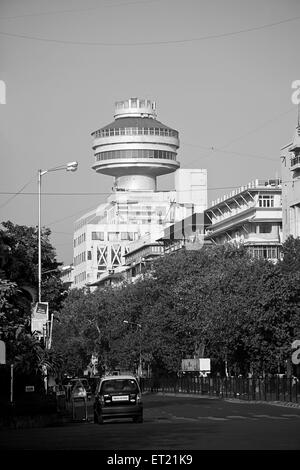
250 215
290 158
135 149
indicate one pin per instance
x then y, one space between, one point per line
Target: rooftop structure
135 148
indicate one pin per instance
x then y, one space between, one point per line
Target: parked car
118 397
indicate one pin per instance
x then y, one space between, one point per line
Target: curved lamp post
140 343
72 166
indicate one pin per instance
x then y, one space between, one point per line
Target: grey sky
232 92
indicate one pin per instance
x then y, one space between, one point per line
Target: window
266 200
265 228
98 236
113 236
89 256
264 252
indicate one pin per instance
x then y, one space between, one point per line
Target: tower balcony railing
135 131
136 154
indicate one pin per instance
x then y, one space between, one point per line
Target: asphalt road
190 423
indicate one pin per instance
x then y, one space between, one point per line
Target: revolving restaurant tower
134 149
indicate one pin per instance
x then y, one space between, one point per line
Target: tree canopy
239 311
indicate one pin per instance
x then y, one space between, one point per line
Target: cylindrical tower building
135 148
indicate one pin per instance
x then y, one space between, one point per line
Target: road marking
214 418
269 417
236 416
292 416
184 418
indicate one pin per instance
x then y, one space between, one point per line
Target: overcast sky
220 71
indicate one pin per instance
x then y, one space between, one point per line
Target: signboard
39 317
195 365
2 353
190 365
29 388
204 364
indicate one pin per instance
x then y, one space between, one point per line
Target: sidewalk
286 404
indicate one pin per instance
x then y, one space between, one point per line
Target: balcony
295 162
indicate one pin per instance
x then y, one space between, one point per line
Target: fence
265 389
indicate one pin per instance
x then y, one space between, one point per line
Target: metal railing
259 389
165 132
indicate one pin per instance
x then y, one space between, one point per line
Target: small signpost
2 352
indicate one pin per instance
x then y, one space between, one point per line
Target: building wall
290 195
102 237
191 187
252 216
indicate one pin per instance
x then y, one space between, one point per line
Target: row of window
134 103
135 131
79 240
295 160
81 258
266 200
115 236
80 278
265 252
136 153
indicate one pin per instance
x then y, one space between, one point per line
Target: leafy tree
20 259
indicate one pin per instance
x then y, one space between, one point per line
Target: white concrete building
135 149
251 215
290 157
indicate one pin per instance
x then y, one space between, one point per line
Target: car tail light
102 401
132 397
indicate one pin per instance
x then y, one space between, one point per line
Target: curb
188 395
286 404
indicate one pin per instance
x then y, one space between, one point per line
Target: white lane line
215 418
237 417
291 416
184 418
269 417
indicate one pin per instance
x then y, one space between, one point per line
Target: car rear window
119 385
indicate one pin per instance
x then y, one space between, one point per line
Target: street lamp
140 335
72 166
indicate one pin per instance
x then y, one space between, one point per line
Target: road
170 422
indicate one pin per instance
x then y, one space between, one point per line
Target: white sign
29 388
39 317
204 365
2 353
196 365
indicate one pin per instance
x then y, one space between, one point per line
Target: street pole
72 166
39 236
140 364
